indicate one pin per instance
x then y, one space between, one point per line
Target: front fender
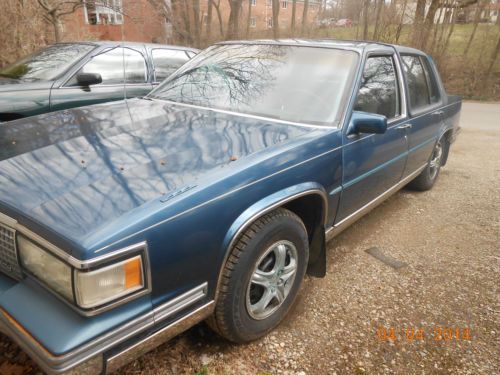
268 204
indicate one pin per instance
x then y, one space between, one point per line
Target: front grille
9 263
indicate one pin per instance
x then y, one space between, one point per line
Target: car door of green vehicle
124 73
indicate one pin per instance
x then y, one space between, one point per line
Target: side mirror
364 122
87 79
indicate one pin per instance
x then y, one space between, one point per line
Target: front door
124 75
373 163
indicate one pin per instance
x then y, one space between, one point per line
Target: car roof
104 43
357 45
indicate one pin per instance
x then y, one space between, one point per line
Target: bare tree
276 24
54 10
366 7
418 22
376 30
294 11
477 18
304 15
249 17
234 17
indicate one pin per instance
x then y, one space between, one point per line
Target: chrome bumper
92 358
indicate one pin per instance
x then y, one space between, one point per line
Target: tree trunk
429 23
249 17
209 20
477 18
380 4
276 23
56 23
418 22
196 18
234 17
304 15
450 32
401 21
366 7
294 11
438 26
219 17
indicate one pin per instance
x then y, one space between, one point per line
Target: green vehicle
67 75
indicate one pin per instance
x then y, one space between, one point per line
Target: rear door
425 100
375 162
124 73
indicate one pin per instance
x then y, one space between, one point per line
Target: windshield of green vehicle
47 63
290 83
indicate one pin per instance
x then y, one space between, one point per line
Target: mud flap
317 253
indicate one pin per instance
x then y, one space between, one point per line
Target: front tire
261 277
428 177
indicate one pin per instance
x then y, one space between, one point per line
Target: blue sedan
123 224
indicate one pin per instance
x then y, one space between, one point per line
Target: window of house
105 12
284 4
418 89
110 66
167 61
378 92
269 3
254 2
253 22
269 23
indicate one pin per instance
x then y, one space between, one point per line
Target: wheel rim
271 280
435 162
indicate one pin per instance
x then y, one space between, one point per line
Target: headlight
45 267
88 289
106 284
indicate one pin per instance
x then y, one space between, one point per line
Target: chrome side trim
179 303
95 348
151 342
346 222
254 217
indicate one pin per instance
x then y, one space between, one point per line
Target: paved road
443 305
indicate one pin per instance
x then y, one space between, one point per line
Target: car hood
74 171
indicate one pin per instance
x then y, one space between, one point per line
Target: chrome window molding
59 364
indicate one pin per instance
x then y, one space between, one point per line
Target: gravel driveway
426 303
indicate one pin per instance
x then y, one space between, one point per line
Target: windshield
291 83
47 63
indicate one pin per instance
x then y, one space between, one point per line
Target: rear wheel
427 178
261 277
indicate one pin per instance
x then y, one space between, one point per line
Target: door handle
404 127
438 113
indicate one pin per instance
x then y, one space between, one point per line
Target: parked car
343 22
123 224
68 75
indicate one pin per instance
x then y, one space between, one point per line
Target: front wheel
261 277
426 179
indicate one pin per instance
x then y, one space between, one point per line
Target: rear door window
379 88
418 88
167 61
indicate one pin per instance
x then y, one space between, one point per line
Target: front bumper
107 351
